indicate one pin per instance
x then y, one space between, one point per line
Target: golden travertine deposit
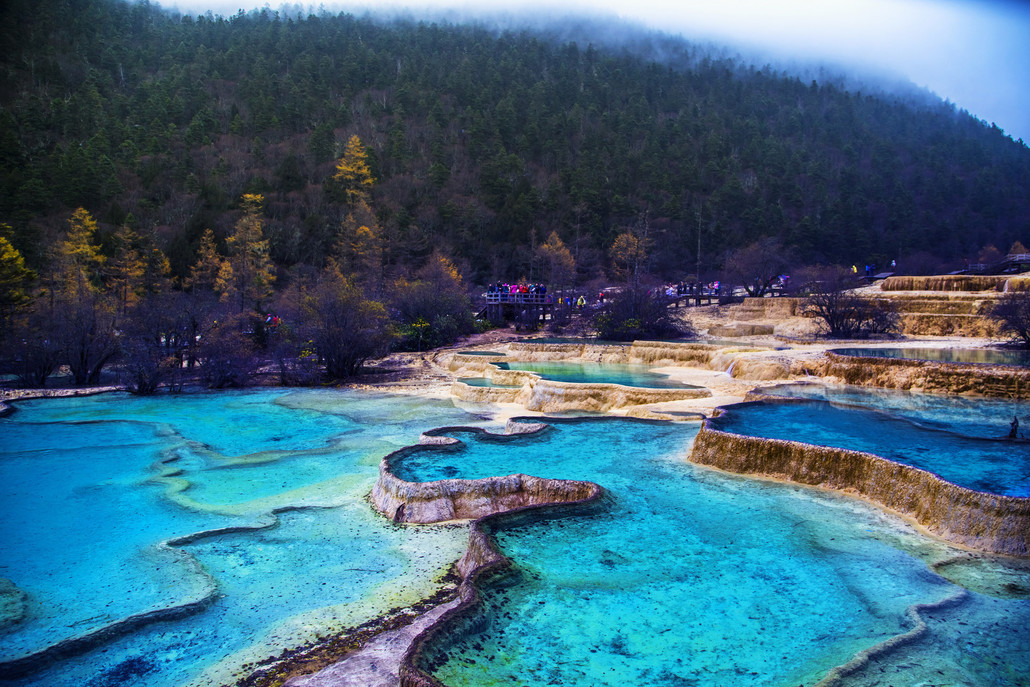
981 521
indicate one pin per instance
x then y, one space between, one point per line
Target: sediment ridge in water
469 499
72 646
547 396
998 381
977 520
207 594
859 661
481 500
481 558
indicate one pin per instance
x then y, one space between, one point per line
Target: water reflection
977 356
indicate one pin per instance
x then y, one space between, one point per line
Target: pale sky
975 54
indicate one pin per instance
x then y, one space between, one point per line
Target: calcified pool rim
469 499
1000 381
494 499
534 392
982 521
948 356
483 559
203 597
543 395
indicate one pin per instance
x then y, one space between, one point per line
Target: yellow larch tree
252 272
204 273
352 180
79 261
360 248
15 279
558 263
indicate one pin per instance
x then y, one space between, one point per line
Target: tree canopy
171 184
476 141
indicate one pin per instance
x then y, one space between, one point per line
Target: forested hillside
480 145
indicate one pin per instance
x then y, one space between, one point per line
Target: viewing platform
523 307
530 308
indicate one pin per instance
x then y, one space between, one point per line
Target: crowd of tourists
693 288
512 290
502 292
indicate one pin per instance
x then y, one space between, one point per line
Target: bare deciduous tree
758 265
843 312
346 328
1012 312
86 330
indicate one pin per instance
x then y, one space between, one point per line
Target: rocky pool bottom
178 540
677 575
682 575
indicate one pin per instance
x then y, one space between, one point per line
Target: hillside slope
482 143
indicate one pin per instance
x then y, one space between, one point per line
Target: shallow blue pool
680 575
597 373
972 416
990 465
90 488
978 356
687 576
960 439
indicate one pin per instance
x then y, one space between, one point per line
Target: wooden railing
525 298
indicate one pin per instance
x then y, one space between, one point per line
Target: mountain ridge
481 142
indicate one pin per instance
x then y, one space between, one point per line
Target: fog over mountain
481 143
972 54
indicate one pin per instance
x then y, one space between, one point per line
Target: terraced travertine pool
973 356
688 576
963 440
681 575
96 494
576 372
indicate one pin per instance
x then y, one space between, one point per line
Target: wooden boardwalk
692 300
536 308
527 308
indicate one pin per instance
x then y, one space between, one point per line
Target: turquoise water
978 356
684 576
597 373
542 454
956 438
680 575
486 383
90 487
970 416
